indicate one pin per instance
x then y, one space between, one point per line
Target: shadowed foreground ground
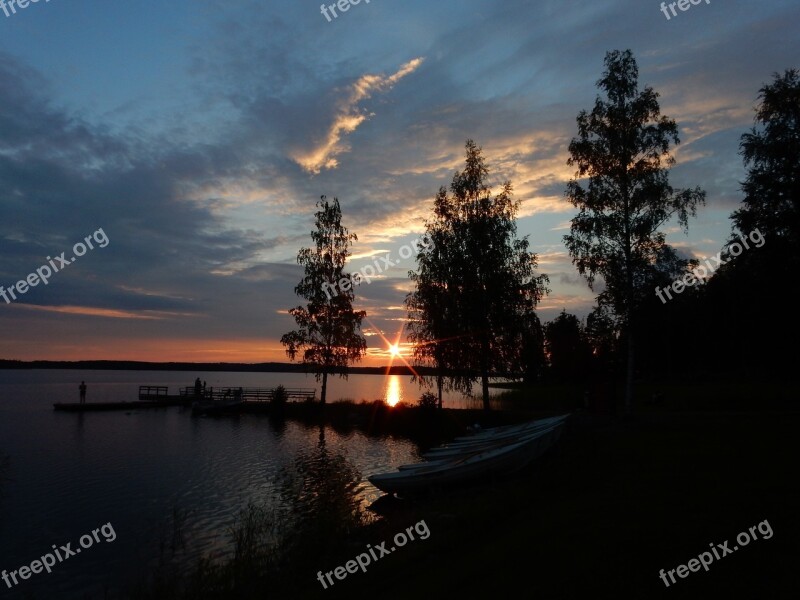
617 502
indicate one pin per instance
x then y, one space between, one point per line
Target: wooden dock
98 406
235 400
158 396
224 394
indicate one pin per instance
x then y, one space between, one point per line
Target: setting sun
394 350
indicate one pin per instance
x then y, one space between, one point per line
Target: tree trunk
485 371
439 386
324 386
629 292
630 372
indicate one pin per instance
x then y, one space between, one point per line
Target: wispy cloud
348 117
91 311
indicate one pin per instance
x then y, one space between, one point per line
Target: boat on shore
496 432
489 439
505 456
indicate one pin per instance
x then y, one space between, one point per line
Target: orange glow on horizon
51 340
161 350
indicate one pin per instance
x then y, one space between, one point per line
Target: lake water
69 474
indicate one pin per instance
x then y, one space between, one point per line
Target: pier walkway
158 396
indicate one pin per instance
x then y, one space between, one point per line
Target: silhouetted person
198 387
82 388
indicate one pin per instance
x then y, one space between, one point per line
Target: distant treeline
132 365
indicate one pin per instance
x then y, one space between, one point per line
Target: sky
196 137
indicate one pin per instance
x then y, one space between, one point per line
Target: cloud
348 117
105 312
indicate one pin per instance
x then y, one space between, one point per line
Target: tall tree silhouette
476 281
623 148
771 153
770 215
328 333
432 323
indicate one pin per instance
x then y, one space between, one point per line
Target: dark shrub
428 401
279 397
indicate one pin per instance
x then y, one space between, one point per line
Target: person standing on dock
198 387
82 389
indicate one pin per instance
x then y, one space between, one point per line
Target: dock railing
152 392
224 394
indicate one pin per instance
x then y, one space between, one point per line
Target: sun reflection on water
393 393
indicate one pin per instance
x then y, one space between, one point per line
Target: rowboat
501 459
451 452
484 442
496 432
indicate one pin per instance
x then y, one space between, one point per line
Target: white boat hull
497 460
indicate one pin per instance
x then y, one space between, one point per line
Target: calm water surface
72 473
